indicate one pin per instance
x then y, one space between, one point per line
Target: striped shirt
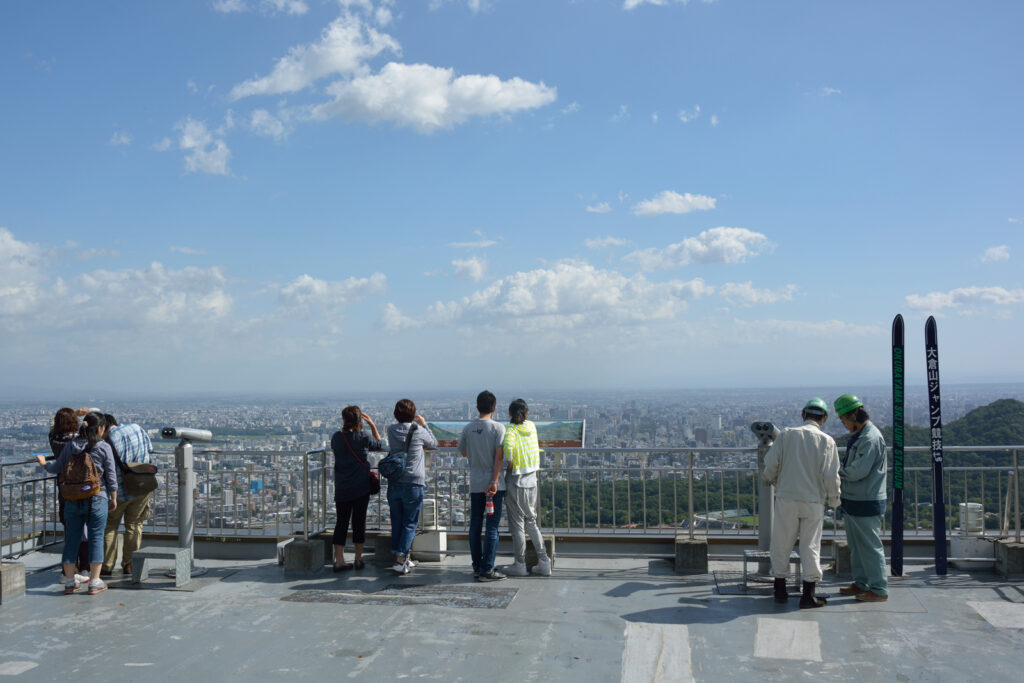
521 447
132 444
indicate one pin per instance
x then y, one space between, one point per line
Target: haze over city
313 197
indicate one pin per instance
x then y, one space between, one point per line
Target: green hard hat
847 403
816 405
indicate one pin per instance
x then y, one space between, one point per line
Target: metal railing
278 494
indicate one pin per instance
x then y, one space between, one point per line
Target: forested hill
998 424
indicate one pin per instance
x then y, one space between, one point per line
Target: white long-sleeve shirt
803 464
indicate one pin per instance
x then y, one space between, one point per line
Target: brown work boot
852 589
127 569
780 591
809 600
871 596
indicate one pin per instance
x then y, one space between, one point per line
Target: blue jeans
484 553
405 501
91 513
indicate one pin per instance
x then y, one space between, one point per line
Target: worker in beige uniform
803 465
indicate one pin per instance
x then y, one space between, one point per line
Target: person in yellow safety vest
522 453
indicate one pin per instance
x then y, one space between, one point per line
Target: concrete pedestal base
1009 558
382 555
691 554
549 548
430 546
843 568
304 556
12 580
143 560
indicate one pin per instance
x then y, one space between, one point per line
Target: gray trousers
521 511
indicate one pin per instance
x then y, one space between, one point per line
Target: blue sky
319 195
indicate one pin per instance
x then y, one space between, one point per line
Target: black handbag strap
350 450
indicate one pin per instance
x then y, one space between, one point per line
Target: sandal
360 564
341 567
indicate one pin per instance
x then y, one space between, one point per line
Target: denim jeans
405 501
92 513
484 553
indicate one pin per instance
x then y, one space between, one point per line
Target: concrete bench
143 559
761 555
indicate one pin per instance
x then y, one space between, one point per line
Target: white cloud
827 91
473 269
564 297
602 207
966 296
204 153
190 251
602 242
162 145
345 45
673 202
1015 220
427 98
293 7
745 295
714 120
1000 253
307 294
621 115
120 138
264 123
571 108
720 245
90 254
474 5
481 243
654 117
633 4
760 332
688 116
20 263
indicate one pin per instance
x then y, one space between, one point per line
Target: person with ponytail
522 453
92 511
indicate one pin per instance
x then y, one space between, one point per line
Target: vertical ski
931 349
897 446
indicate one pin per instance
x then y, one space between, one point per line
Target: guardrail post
305 496
689 523
764 511
1016 493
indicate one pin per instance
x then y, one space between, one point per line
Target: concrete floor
594 620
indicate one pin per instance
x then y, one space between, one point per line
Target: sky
351 195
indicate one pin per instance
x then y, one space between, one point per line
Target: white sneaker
543 567
409 562
81 578
401 568
516 569
97 586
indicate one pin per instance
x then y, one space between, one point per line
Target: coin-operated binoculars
766 434
186 487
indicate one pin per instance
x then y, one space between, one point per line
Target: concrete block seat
143 560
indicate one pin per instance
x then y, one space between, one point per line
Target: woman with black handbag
354 482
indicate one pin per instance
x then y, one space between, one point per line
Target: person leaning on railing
352 482
863 476
64 429
91 511
130 443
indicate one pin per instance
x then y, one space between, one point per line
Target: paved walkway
594 620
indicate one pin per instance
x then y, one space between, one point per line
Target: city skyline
312 197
